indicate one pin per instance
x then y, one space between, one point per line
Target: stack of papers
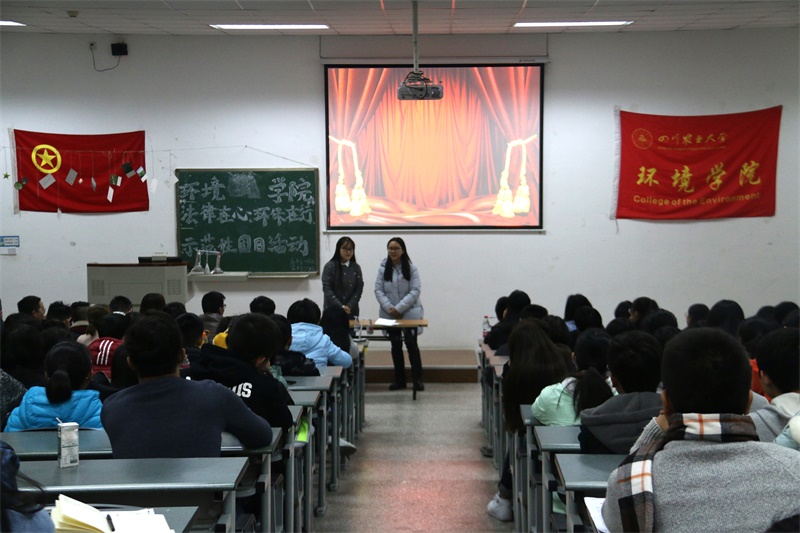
385 322
71 515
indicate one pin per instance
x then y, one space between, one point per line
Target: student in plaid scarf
708 472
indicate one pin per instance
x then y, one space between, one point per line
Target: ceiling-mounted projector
416 86
424 91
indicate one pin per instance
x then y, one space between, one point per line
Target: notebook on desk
70 514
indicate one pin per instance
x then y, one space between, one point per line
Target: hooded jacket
614 425
36 411
311 341
260 391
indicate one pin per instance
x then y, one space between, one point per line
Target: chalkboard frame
312 174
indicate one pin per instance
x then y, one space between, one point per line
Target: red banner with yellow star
81 173
698 167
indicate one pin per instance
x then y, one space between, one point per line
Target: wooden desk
584 474
144 482
551 440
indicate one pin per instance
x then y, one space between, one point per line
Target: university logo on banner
698 167
81 173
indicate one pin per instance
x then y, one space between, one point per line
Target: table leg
322 450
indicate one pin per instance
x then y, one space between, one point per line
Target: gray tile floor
418 466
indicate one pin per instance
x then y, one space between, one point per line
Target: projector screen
469 161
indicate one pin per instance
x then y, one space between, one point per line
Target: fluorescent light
269 26
572 24
11 23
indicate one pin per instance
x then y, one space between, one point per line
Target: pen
110 522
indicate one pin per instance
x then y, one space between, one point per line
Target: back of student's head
665 333
783 309
574 302
751 330
634 359
304 310
657 319
113 325
191 327
618 326
555 328
122 375
263 305
52 336
725 315
336 324
696 315
623 309
533 311
79 311
23 347
500 307
60 311
254 335
517 300
152 301
705 370
587 317
29 305
120 304
641 307
212 302
154 345
792 319
285 327
68 366
175 309
591 358
778 356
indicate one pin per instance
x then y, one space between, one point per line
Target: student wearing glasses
342 282
397 289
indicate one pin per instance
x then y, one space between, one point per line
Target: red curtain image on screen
470 160
698 167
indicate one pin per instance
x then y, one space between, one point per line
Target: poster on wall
80 173
698 167
470 160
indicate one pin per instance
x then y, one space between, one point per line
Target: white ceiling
389 17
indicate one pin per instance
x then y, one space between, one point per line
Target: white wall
258 102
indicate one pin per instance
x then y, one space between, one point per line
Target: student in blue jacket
68 366
397 289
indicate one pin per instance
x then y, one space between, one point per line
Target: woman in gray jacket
397 289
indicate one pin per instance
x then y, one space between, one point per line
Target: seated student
93 314
559 404
23 352
110 330
174 309
750 332
308 337
291 363
121 305
263 305
166 416
69 369
499 333
779 371
152 301
335 323
696 315
244 368
213 304
708 472
20 510
574 302
60 312
193 336
79 315
11 393
640 308
634 362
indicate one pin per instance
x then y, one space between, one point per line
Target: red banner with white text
698 167
81 173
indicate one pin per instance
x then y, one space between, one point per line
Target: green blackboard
263 221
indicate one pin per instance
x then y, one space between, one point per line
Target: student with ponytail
68 367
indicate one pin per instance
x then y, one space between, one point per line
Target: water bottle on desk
487 327
357 326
